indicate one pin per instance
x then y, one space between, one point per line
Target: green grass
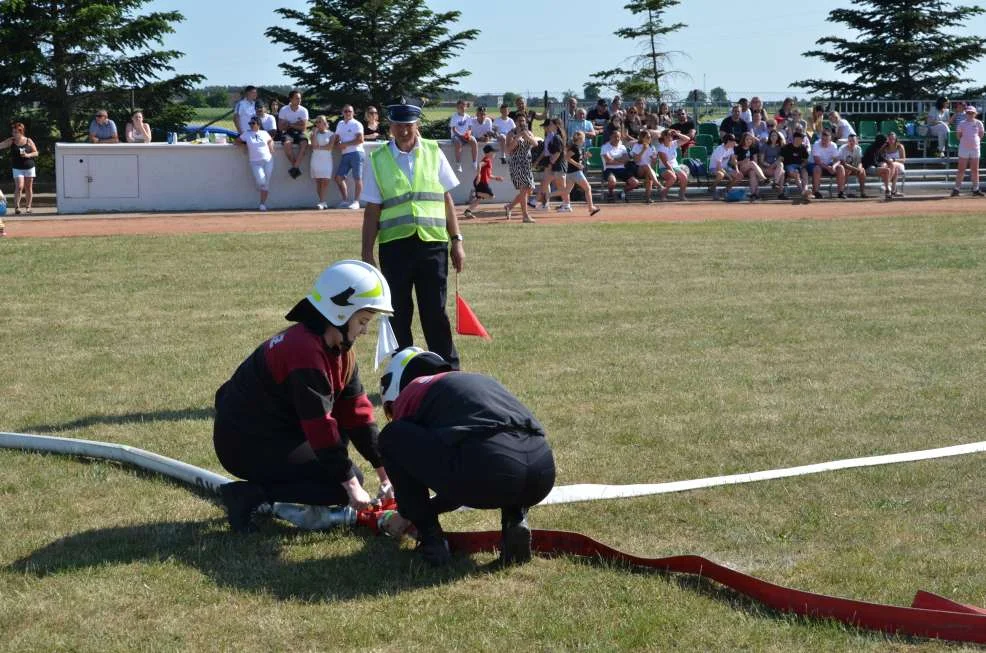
651 352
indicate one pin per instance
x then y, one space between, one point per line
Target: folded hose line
930 615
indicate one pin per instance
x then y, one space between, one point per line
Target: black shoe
781 196
817 195
978 193
294 172
503 160
433 548
841 195
955 192
241 498
516 546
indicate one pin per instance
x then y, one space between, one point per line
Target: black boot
433 547
516 546
241 498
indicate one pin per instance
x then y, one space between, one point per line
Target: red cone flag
466 322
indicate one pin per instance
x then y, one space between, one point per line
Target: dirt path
52 226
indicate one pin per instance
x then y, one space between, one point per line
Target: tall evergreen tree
647 71
898 49
370 51
73 56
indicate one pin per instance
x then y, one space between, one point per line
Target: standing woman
970 132
893 160
321 163
372 131
137 130
557 166
519 143
260 149
23 152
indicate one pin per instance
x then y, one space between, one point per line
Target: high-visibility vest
410 207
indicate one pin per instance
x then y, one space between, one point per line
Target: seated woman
938 120
615 158
891 165
642 158
672 172
770 158
746 154
138 131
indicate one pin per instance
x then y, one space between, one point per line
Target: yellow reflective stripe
375 291
413 197
316 295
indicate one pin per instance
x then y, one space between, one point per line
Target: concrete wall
132 177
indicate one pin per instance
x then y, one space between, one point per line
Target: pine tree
897 49
645 75
74 56
364 52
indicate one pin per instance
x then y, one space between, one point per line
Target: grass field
651 352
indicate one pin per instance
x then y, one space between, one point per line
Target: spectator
23 153
733 124
520 140
267 122
460 133
784 113
747 152
634 123
893 157
641 106
567 115
581 124
372 130
722 164
684 125
794 124
770 158
577 159
759 128
957 115
651 125
137 130
664 119
615 158
245 109
745 114
481 126
616 107
970 133
349 138
529 114
817 122
643 155
615 124
795 158
599 114
555 164
840 128
871 157
851 156
322 142
102 129
481 184
292 120
756 107
672 172
938 120
260 151
502 126
827 164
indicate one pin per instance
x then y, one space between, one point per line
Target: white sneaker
458 167
321 206
564 208
354 206
262 207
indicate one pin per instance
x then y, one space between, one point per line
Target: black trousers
266 464
412 263
510 471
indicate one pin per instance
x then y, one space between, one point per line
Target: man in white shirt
292 120
481 126
826 157
349 137
615 157
460 134
245 109
501 127
851 156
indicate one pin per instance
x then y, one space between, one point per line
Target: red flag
466 322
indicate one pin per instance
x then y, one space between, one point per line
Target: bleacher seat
595 159
709 128
887 126
705 140
867 130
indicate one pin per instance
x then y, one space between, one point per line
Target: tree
591 90
391 48
510 97
647 70
74 56
901 49
719 95
697 95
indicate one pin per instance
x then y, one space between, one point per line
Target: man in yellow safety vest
409 209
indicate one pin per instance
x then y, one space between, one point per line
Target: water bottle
3 204
171 138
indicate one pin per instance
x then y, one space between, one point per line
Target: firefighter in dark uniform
467 438
410 211
284 419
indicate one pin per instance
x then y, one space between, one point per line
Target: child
460 133
481 184
722 165
576 158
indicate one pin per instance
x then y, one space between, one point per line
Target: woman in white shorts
970 132
321 164
672 172
642 157
23 153
576 157
260 149
893 157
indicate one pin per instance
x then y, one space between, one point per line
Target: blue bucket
736 195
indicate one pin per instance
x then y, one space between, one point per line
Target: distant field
205 115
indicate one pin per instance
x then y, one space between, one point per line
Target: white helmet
405 366
344 288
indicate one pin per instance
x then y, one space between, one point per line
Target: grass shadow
127 418
259 562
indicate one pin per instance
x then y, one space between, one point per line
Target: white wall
129 177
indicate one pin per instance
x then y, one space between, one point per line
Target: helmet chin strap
343 330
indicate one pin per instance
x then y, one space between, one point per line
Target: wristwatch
457 237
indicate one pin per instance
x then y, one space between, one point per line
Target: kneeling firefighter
467 438
285 417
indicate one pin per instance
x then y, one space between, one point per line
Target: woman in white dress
321 165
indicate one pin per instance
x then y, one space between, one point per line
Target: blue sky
530 46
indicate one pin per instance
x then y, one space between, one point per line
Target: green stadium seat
867 130
598 140
705 140
710 128
887 126
595 159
